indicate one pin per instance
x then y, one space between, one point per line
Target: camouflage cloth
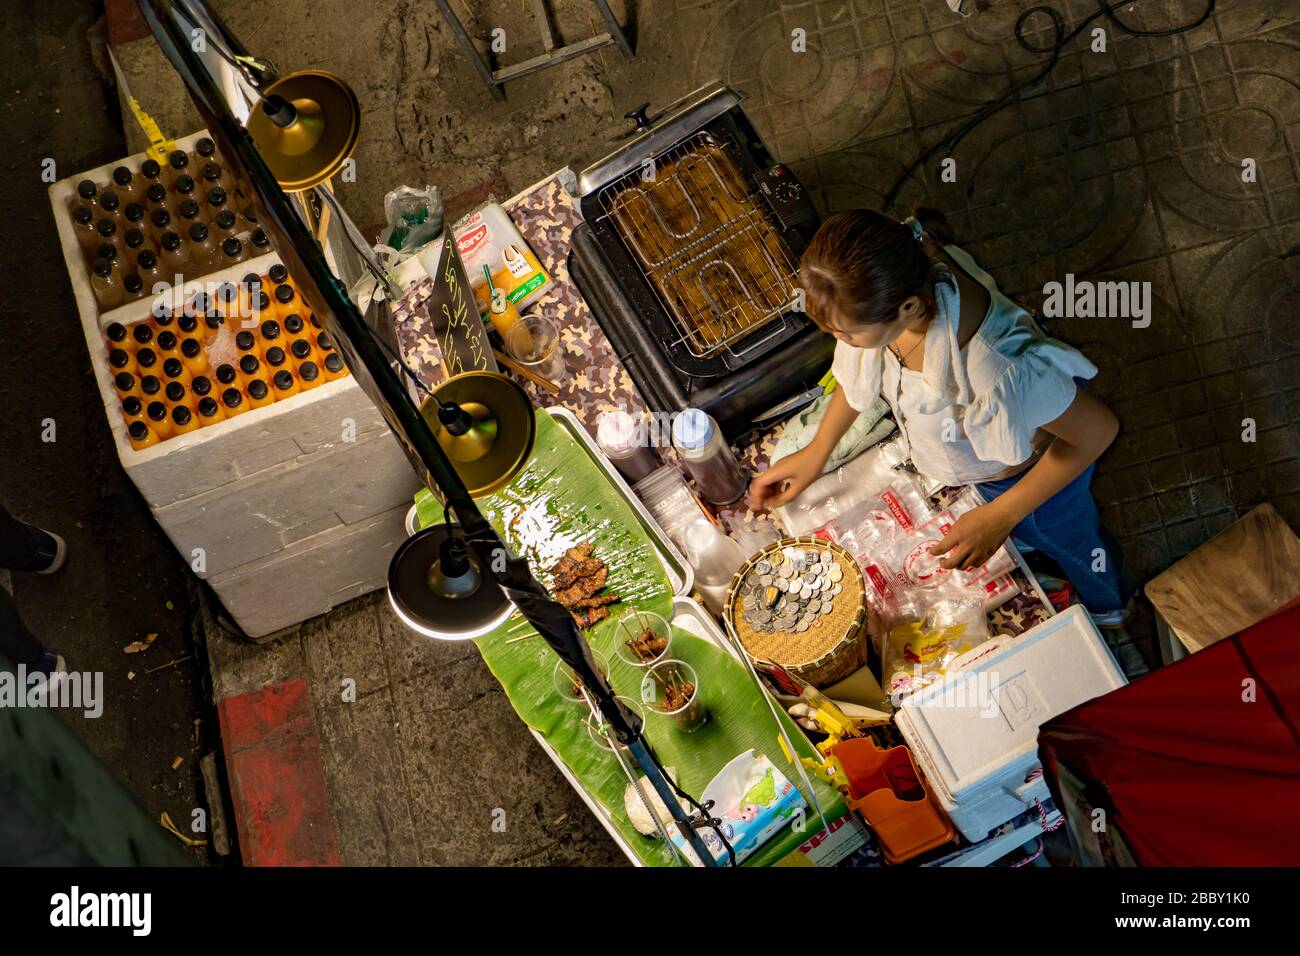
597 382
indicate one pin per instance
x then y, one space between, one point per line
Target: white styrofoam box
312 576
279 506
975 733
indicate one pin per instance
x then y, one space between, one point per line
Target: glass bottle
105 285
115 332
268 334
110 205
192 354
127 185
134 242
150 173
132 408
150 388
211 175
205 151
261 244
147 359
210 411
278 273
248 217
275 358
134 216
87 194
158 197
187 214
259 395
174 254
223 226
167 344
156 414
142 334
160 223
178 165
286 300
183 420
132 287
107 230
203 249
174 370
83 226
708 457
120 360
227 376
233 401
309 376
141 435
146 267
184 189
201 386
217 202
177 394
232 252
125 383
286 385
334 367
250 366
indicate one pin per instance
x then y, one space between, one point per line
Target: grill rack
705 244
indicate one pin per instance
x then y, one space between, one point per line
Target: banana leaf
560 499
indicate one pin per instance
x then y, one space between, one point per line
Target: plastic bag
917 651
413 217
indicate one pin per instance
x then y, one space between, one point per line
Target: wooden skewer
527 373
323 224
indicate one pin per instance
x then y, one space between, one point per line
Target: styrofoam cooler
975 733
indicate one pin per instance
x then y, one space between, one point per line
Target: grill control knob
638 116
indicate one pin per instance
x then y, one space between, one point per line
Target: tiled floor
1125 165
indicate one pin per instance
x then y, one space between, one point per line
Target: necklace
902 356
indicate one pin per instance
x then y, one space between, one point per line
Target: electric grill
688 258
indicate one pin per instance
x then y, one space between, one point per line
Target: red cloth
1188 772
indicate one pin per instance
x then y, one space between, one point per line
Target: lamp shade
321 136
501 429
449 606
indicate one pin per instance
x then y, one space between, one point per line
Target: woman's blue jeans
1067 528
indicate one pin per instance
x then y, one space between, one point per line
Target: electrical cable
1016 94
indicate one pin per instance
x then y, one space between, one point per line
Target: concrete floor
1127 167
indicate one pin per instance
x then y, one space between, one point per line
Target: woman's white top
975 412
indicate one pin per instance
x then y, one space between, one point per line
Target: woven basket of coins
800 603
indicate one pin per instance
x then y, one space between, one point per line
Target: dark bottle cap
107 251
259 239
184 185
207 407
284 294
201 385
150 384
181 415
156 194
118 358
275 356
308 371
102 268
191 348
156 411
146 358
262 301
251 281
146 259
167 340
106 228
284 380
227 292
124 381
232 247
175 392
109 202
293 323
245 340
199 303
160 218
216 196
226 374
133 238
188 210
249 364
225 220
315 322
333 362
150 169
178 159
323 342
134 212
142 334
83 216
232 398
257 389
211 173
116 332
122 175
160 310
133 406
173 367
198 232
187 323
250 212
278 272
170 241
205 147
133 284
86 189
138 430
301 348
164 320
214 320
270 329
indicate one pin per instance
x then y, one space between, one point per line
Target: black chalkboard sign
453 314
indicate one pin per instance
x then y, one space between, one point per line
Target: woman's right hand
796 471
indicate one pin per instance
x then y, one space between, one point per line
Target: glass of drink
534 342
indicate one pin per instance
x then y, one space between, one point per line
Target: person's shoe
1116 620
51 550
51 664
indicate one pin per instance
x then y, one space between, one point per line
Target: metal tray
681 577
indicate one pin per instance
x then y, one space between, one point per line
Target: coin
763 567
787 571
837 589
836 573
780 584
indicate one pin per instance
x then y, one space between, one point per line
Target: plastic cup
689 715
600 731
566 681
631 626
534 342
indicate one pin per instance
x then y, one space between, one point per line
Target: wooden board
1234 580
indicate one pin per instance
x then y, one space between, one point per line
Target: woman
980 394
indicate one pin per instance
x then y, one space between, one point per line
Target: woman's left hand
975 537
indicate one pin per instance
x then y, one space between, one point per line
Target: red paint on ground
125 22
277 778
